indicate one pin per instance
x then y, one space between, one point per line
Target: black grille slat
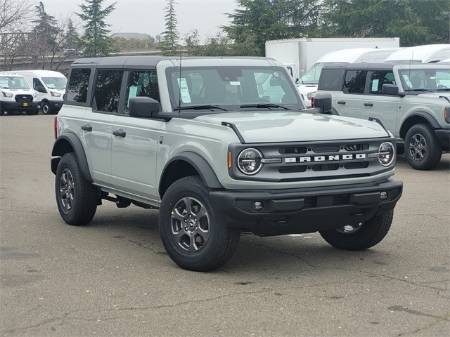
24 98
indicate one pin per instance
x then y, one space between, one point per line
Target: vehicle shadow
274 256
444 164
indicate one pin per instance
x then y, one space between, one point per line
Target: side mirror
144 107
390 89
322 101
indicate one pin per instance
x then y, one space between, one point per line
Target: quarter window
107 90
355 81
331 79
78 85
142 84
378 79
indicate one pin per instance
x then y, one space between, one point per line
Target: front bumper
443 135
15 106
306 210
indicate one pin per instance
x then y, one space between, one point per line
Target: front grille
306 161
24 98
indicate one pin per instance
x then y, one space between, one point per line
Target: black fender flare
61 147
425 115
203 168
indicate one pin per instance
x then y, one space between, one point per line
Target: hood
277 127
444 95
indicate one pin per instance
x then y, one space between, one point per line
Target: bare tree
13 36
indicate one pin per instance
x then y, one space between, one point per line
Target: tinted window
142 84
38 86
355 81
107 90
378 79
331 79
78 85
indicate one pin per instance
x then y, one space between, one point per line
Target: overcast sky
147 16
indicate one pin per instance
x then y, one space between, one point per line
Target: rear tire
194 237
422 149
368 235
76 198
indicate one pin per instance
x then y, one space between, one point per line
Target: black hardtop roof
364 66
139 61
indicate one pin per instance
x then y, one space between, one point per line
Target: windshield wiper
264 106
200 107
420 89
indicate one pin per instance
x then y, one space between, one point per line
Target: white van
49 87
309 81
16 95
431 53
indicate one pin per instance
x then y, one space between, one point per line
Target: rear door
135 142
350 102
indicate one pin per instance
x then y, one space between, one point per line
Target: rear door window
77 89
107 90
355 81
331 79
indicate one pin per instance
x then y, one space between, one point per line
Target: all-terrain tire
371 233
420 138
222 241
84 196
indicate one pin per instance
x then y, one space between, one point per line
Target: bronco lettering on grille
318 159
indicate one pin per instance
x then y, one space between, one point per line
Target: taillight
447 114
55 127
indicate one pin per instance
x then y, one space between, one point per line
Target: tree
415 22
256 21
169 43
96 40
71 37
47 35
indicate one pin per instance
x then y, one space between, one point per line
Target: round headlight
250 161
386 154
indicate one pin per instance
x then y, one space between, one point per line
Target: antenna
179 81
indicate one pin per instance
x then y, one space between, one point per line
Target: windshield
312 75
232 88
13 82
58 83
417 80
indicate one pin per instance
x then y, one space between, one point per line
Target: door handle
368 104
341 102
86 128
120 133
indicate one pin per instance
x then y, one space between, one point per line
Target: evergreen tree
96 40
169 41
46 36
71 37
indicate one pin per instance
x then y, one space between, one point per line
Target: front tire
194 237
422 149
76 198
45 108
362 236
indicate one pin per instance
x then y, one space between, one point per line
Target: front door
135 141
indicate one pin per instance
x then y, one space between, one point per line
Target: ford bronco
220 146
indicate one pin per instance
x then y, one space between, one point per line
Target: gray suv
220 146
412 101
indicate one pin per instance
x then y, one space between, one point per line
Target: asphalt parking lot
114 278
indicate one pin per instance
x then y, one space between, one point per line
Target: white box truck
298 55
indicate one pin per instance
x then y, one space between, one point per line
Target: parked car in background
431 53
16 95
412 101
307 85
49 86
220 146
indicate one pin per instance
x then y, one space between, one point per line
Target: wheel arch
184 165
69 143
417 117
